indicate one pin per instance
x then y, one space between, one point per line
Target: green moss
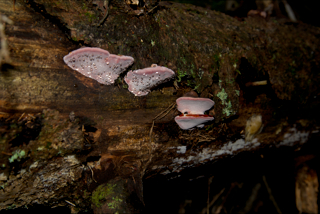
48 145
100 194
180 74
227 110
115 202
209 127
12 206
85 194
222 95
232 80
183 60
190 83
17 155
196 88
216 59
84 6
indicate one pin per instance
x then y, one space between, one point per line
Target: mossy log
115 134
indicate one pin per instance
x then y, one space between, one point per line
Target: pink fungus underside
192 105
98 64
141 81
188 122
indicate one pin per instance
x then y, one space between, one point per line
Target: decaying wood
307 188
111 133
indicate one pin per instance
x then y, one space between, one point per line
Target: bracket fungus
141 81
192 110
98 64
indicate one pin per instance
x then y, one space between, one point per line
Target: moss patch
101 193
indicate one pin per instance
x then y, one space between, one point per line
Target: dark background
306 11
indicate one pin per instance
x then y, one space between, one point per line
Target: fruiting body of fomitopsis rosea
98 64
192 110
141 81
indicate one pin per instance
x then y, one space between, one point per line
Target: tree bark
114 132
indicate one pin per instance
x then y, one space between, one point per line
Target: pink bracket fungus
189 121
141 81
194 105
98 64
192 110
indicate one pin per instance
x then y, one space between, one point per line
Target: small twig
252 198
221 128
70 203
30 115
150 133
92 174
87 140
6 153
160 116
256 83
215 198
4 52
166 110
152 9
172 106
289 11
106 14
74 166
270 195
21 116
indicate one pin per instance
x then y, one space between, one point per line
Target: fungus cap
189 121
98 64
193 105
141 81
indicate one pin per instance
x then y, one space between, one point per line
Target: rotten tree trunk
113 132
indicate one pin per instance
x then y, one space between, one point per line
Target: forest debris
21 116
92 174
46 182
307 190
102 5
253 127
70 203
160 116
4 53
270 195
257 83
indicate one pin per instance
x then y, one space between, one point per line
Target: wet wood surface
209 52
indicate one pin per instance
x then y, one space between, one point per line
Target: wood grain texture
210 53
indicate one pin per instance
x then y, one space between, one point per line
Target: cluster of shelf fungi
105 68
